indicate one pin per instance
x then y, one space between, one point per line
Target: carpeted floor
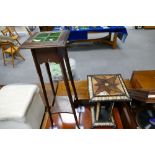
136 54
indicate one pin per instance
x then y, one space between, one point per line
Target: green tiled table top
43 37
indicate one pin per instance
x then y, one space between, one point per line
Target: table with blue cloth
80 34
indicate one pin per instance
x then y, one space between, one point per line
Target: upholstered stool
20 106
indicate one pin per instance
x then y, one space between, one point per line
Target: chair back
5 32
12 31
9 47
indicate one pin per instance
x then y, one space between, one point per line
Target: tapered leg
51 81
69 91
70 74
43 86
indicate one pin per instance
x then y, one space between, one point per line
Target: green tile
42 35
46 37
56 34
51 38
38 39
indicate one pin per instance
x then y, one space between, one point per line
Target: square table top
46 40
107 87
81 88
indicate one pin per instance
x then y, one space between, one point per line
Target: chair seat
12 50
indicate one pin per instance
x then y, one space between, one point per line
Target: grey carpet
137 53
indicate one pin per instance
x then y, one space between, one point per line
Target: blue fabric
78 35
81 32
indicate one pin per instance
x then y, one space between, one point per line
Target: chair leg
3 58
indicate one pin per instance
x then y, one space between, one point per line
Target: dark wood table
143 95
44 52
143 86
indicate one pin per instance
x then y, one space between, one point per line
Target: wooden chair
11 32
10 49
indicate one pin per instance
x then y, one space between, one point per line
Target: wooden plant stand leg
43 87
70 75
68 90
51 81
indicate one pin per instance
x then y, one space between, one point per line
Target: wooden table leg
51 81
109 36
70 75
43 86
114 41
68 90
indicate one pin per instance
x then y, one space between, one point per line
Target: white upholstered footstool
21 107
